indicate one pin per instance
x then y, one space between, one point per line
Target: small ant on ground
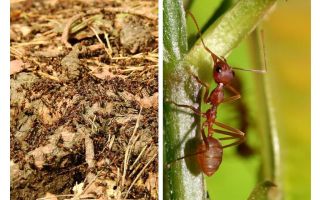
209 153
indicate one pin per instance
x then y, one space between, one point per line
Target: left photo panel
84 99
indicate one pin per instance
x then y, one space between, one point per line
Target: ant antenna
251 70
214 56
264 58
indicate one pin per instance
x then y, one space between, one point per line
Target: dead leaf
134 34
51 2
25 30
50 52
148 102
48 115
127 96
68 138
152 184
47 149
13 35
50 196
89 152
17 66
65 34
95 187
38 158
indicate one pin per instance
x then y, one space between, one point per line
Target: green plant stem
177 125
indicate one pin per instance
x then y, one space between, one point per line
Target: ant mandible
209 153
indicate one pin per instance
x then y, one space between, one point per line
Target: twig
62 195
45 75
153 57
96 34
135 162
138 176
135 170
132 68
86 188
132 11
106 36
111 142
66 31
33 42
127 154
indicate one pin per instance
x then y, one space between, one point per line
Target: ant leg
229 128
232 98
193 154
232 132
195 110
206 94
226 138
232 136
204 137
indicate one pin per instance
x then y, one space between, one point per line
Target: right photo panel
236 100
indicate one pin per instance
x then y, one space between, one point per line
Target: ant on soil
209 153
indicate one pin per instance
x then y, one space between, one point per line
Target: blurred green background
288 35
275 107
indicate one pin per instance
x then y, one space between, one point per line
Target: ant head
222 72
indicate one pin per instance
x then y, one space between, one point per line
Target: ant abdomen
210 158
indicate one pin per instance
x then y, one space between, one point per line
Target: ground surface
84 99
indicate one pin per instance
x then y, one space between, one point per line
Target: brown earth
84 99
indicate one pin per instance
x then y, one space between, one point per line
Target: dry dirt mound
84 99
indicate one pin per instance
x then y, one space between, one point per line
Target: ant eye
233 73
218 69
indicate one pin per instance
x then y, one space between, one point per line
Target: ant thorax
216 96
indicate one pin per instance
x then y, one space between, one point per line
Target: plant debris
84 99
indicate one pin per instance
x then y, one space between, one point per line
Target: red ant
209 153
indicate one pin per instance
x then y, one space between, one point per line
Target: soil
84 99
